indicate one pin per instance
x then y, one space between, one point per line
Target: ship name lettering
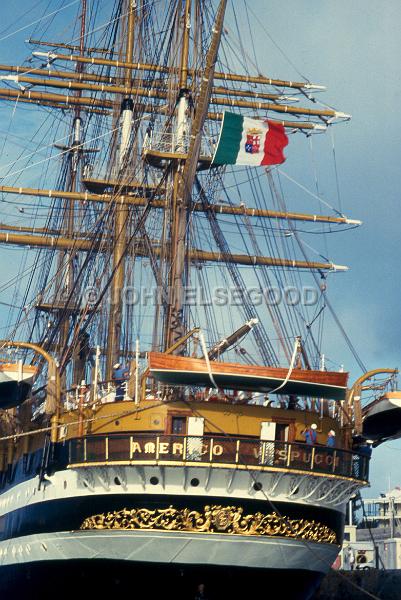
282 455
297 455
178 448
218 450
205 449
164 448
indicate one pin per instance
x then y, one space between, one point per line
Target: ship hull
169 562
179 581
42 542
249 529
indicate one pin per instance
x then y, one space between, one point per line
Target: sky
353 48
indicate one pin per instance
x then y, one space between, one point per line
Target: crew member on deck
366 449
310 434
331 439
120 376
351 558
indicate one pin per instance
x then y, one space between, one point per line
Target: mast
80 351
170 80
174 328
185 173
65 279
121 209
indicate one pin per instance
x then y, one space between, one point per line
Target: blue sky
353 48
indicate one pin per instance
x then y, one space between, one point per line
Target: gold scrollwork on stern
214 519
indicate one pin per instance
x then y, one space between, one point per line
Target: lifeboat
382 418
182 370
16 381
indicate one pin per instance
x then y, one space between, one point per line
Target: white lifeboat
382 417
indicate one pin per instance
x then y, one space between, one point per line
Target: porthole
257 486
116 423
195 482
154 480
117 481
65 484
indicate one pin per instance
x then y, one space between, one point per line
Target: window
178 425
282 432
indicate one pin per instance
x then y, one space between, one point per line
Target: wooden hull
181 370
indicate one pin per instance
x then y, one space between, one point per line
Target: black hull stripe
104 578
68 514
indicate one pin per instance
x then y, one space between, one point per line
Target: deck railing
216 451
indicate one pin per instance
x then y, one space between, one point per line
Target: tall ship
170 416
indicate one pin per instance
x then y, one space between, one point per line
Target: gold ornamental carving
213 519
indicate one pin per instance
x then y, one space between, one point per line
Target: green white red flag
244 141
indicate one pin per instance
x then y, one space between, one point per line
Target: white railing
162 141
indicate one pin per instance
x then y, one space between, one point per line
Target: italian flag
244 141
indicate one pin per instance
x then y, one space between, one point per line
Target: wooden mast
180 77
121 209
64 284
79 360
174 319
183 183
